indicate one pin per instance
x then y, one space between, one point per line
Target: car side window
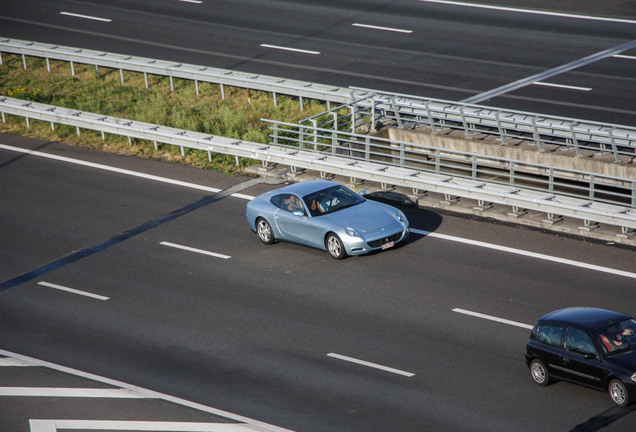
550 335
288 202
579 342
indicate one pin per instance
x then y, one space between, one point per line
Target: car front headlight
400 216
352 232
634 377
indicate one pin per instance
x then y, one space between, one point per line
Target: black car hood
626 360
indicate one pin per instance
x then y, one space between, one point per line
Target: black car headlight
634 377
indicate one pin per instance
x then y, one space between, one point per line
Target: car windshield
330 200
618 337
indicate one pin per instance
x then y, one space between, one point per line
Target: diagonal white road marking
493 318
195 250
369 364
72 290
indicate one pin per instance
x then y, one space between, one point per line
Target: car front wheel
335 247
618 393
539 372
264 231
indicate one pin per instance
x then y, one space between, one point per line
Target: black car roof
583 317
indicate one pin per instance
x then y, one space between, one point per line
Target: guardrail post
431 121
575 142
300 98
72 68
466 127
275 133
502 131
48 65
97 71
274 97
613 144
24 63
196 86
121 75
537 136
1 62
171 84
396 112
315 134
222 92
146 79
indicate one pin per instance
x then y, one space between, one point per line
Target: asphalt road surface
172 292
580 55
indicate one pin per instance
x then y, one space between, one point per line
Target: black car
588 346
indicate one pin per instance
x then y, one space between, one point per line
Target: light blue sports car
328 216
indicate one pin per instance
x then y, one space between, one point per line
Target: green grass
236 116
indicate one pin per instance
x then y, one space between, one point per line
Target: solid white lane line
72 290
68 392
381 28
493 318
199 251
11 362
622 56
278 47
371 365
71 14
568 87
531 11
191 1
110 168
586 266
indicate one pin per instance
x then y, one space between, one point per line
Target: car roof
583 317
307 187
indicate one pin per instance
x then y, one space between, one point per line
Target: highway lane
252 334
442 50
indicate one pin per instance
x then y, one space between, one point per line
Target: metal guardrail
196 73
592 187
316 158
371 106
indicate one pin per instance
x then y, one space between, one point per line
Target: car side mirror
589 356
298 213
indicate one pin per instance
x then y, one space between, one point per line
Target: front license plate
388 245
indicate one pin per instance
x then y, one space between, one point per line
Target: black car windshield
330 200
618 337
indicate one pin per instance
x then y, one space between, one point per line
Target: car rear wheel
264 231
335 247
539 373
618 393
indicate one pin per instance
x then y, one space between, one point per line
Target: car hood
366 217
626 360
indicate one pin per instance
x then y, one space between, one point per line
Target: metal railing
589 186
370 109
306 149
